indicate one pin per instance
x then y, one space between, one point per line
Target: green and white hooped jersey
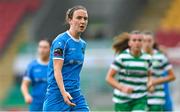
133 72
159 65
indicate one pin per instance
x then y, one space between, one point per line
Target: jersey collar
41 62
128 50
77 40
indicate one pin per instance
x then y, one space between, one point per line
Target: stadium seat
168 33
11 13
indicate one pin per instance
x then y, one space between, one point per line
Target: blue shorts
36 106
55 102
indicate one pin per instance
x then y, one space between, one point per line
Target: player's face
79 21
43 49
148 42
135 42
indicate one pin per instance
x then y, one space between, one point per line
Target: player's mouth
82 27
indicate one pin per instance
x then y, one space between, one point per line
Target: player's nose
82 21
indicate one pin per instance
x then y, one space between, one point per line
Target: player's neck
44 60
135 53
74 34
149 50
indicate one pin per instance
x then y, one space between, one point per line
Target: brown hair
120 42
47 40
135 32
148 33
156 46
70 12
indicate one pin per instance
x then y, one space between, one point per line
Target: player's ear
69 21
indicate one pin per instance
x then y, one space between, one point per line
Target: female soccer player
36 75
168 106
133 68
66 60
156 99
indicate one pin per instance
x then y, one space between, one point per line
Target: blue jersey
71 50
37 74
168 106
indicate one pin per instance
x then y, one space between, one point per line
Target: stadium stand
168 33
13 33
11 13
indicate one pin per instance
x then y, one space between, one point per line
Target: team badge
58 52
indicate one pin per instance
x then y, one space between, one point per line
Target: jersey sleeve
58 49
166 64
28 73
116 65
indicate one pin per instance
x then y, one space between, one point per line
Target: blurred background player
168 106
133 68
66 60
160 64
36 76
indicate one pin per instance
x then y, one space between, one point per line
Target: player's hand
67 99
28 99
151 89
150 86
127 89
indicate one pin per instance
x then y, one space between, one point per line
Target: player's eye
85 18
140 40
79 17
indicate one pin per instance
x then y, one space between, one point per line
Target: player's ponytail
120 42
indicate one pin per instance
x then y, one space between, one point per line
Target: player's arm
25 91
150 85
168 78
58 63
114 83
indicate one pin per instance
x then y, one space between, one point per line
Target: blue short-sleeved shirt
71 50
168 106
37 74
